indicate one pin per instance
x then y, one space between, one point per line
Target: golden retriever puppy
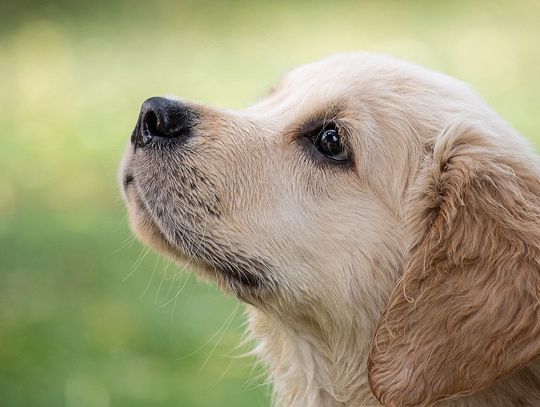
379 220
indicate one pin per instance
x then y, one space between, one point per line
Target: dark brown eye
328 142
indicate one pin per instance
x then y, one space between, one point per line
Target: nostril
150 126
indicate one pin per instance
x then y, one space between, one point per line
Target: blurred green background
89 318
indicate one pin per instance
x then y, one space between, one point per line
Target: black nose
162 120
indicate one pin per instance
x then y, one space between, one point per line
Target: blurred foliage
89 318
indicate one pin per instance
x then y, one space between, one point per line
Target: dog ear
467 308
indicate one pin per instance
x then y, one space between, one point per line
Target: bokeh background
88 317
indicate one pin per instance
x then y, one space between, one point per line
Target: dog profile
380 221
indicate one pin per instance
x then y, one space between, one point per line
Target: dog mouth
128 180
231 268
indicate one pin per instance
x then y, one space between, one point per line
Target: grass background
88 318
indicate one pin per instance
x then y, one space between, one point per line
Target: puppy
379 220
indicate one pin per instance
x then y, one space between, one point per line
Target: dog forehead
335 78
335 75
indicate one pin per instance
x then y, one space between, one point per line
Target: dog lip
128 179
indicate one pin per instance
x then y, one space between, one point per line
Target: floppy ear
467 308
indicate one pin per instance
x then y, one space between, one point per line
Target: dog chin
243 285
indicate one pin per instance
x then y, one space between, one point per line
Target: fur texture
407 276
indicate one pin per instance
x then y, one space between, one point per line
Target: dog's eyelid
317 124
344 132
331 125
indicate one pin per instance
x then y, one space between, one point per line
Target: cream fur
440 192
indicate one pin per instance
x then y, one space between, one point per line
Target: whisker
178 293
164 274
128 241
151 277
228 323
137 263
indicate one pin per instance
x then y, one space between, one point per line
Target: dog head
361 191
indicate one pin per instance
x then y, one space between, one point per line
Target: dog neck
310 368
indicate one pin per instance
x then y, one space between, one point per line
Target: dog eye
328 142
